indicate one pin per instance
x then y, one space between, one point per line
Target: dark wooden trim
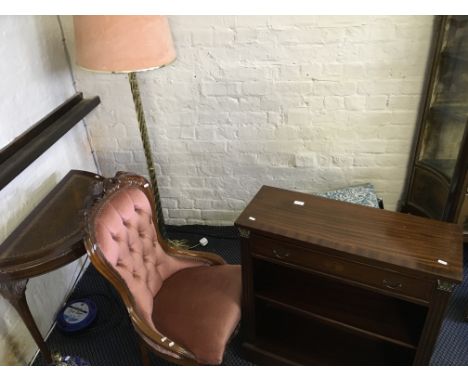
248 298
434 172
26 148
436 47
431 327
415 209
459 183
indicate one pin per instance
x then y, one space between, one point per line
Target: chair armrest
209 257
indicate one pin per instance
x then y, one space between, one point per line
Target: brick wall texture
310 103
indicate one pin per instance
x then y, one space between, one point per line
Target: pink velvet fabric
203 318
126 235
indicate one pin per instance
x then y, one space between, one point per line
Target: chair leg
145 358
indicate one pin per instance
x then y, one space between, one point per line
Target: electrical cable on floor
203 242
176 230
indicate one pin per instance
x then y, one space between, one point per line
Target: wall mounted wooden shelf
26 148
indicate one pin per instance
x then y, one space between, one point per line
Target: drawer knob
392 284
280 254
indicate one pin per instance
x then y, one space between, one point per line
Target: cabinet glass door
448 112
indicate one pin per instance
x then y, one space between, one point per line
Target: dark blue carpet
452 345
111 340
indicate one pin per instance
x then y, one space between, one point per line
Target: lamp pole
132 78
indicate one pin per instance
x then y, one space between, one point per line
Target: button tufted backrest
126 235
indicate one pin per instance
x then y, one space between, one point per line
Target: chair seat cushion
199 308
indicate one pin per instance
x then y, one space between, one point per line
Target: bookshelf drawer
315 260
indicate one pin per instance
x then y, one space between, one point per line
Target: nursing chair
184 305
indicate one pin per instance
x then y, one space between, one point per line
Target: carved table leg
14 292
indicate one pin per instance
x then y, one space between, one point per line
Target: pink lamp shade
123 43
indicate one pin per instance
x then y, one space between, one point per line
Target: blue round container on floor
77 315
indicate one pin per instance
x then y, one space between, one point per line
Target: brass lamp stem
132 78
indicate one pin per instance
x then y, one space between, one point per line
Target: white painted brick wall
35 79
301 102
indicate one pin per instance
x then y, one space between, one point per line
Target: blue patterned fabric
363 194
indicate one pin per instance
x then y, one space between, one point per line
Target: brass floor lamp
127 44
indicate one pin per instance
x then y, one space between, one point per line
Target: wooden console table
332 283
49 238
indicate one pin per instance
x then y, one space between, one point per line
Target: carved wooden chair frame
149 338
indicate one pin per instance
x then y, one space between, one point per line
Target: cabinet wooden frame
428 192
319 278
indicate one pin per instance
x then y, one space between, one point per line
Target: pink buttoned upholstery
126 235
191 300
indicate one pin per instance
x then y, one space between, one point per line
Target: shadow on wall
13 352
50 46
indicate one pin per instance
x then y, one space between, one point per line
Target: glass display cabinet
437 181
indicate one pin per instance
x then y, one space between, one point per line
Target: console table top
51 235
429 247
